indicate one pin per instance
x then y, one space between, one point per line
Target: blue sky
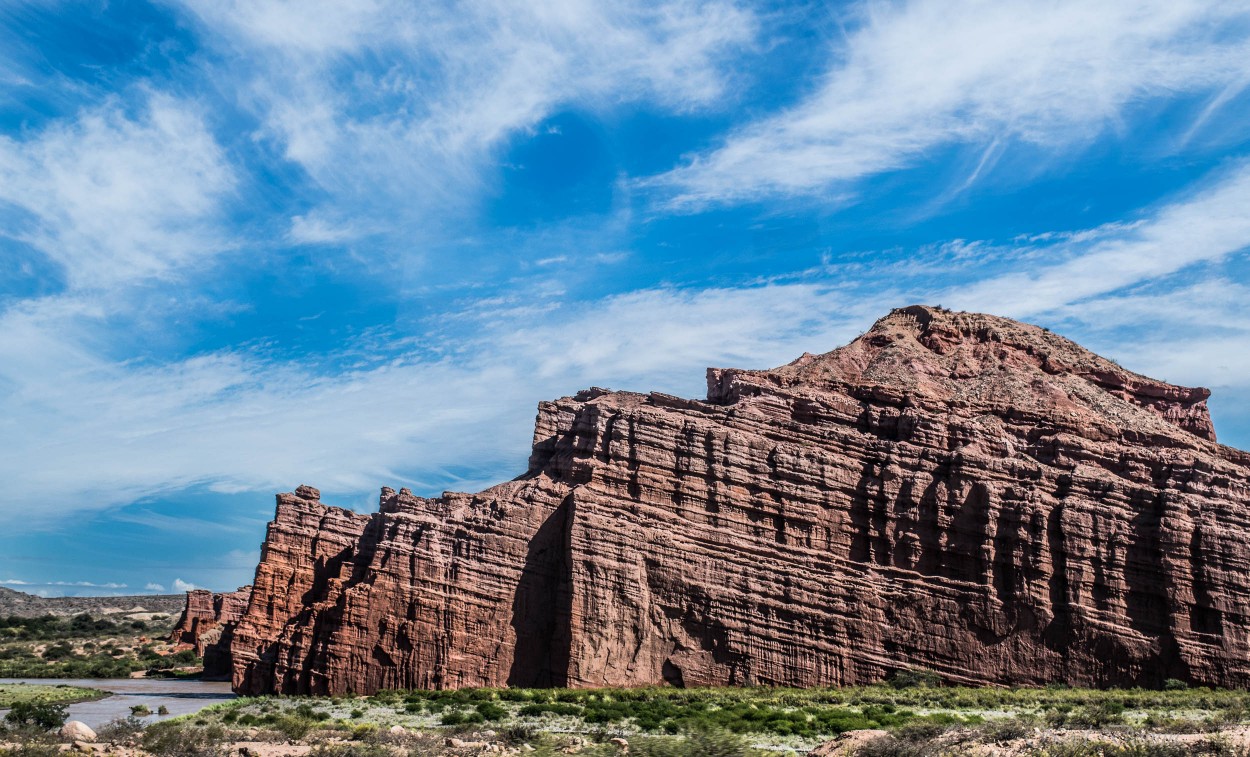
249 245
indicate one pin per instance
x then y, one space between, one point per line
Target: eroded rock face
950 491
207 624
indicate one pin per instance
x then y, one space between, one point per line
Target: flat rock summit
955 492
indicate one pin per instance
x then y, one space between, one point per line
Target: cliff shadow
1146 600
869 513
969 532
1059 633
542 606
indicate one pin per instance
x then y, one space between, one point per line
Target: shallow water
181 697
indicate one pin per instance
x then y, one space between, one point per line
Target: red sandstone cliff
951 491
207 623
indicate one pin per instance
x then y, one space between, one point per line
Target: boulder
76 730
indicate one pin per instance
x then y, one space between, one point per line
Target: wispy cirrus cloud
114 197
397 111
393 112
1206 227
912 78
95 433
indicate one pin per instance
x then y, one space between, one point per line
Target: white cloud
180 585
397 110
663 338
104 434
14 582
916 76
114 198
314 228
78 430
1209 226
152 586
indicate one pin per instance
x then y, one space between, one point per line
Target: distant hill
29 606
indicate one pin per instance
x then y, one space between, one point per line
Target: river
180 697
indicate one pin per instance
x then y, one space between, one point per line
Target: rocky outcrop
207 624
950 491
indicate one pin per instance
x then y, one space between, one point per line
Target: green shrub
291 726
700 743
515 735
306 711
535 710
1094 715
1006 729
44 715
1142 748
120 730
920 731
58 651
32 749
915 678
175 739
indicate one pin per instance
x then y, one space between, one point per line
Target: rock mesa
207 625
950 491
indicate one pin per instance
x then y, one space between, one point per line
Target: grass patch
777 712
919 717
12 693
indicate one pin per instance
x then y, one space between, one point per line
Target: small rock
456 743
398 730
619 743
76 730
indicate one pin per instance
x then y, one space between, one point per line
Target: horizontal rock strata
207 625
950 491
